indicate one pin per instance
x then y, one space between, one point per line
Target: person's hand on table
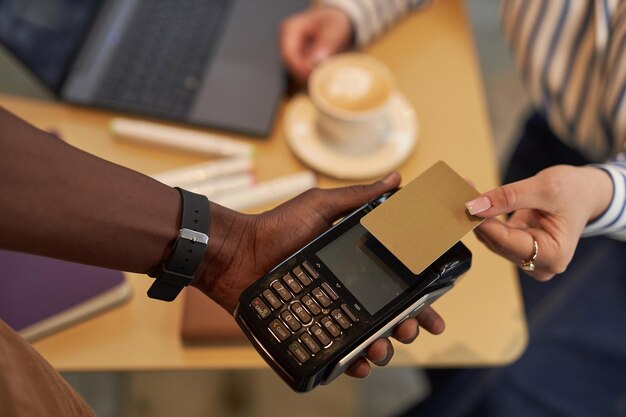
257 243
309 37
551 208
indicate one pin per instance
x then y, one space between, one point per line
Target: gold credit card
425 218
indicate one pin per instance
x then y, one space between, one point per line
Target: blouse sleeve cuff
613 221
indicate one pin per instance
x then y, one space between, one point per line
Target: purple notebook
40 295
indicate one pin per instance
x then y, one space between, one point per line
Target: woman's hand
243 248
309 37
551 208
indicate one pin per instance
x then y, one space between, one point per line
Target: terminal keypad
309 314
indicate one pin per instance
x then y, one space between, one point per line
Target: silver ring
529 265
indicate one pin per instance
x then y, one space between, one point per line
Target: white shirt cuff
613 221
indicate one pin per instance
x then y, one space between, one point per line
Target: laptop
213 63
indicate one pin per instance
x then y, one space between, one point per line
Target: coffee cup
351 93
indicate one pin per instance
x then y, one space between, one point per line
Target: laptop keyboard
162 55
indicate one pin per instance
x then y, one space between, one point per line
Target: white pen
178 138
222 184
267 191
205 171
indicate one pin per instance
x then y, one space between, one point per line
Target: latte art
351 94
353 84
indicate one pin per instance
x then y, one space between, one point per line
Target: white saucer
305 141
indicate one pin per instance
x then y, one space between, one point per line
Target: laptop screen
45 34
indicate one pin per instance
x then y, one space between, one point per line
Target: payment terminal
316 313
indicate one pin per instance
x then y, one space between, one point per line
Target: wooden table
434 60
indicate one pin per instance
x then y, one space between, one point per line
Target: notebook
205 322
39 295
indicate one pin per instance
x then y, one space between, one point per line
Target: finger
380 352
359 369
525 194
517 245
407 331
315 55
522 219
334 203
293 39
501 249
490 245
496 248
512 243
325 44
317 209
431 321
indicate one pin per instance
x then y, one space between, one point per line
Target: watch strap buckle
179 269
193 236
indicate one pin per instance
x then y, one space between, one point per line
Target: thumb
525 194
327 43
334 203
318 54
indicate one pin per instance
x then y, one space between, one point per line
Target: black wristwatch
179 269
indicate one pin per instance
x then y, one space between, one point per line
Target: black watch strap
178 270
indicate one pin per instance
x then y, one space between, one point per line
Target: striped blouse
572 56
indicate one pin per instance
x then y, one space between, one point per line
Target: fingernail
388 355
385 358
390 178
55 133
439 327
318 56
478 205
